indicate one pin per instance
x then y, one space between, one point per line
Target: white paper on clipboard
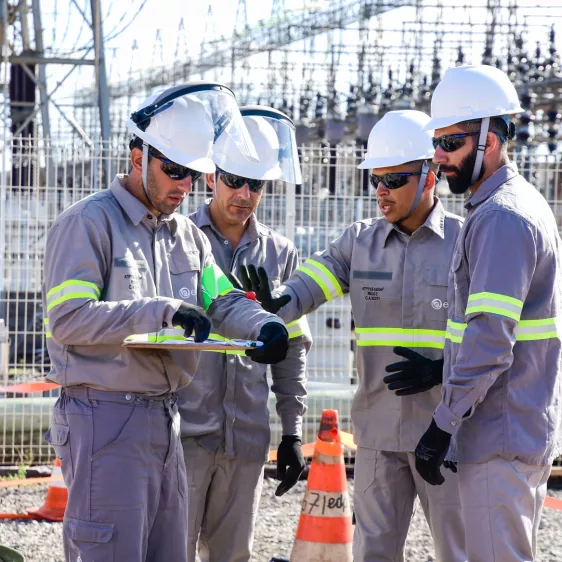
174 339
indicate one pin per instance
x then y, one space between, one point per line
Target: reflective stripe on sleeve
526 330
299 328
72 289
496 304
324 278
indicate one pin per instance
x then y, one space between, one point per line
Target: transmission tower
21 35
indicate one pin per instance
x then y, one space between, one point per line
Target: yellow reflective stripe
46 324
72 289
455 331
74 283
530 330
496 304
69 297
400 336
298 328
526 330
323 277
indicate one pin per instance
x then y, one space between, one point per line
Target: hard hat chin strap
484 128
144 168
419 191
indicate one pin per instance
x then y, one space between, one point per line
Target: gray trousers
501 509
224 496
121 460
386 486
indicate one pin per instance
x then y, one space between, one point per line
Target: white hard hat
399 137
186 118
228 157
183 132
472 92
273 134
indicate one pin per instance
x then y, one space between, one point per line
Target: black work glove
430 454
192 318
418 374
275 340
258 282
451 465
289 454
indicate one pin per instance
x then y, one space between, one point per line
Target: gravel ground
277 521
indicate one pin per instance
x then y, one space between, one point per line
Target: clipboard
174 339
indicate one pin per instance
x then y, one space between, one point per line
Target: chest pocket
435 305
460 285
185 271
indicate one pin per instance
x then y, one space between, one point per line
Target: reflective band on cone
324 532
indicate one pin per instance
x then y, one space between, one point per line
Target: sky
166 30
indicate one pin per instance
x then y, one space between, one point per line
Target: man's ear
210 180
492 141
136 159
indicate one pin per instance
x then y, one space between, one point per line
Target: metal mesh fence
38 180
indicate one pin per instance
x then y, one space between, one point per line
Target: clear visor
227 121
288 153
275 141
219 104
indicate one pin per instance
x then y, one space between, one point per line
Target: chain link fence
39 179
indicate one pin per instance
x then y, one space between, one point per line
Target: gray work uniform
501 392
397 285
112 269
224 414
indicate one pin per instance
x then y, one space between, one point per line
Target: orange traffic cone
57 496
324 532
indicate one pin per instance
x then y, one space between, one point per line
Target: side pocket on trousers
365 468
58 437
91 541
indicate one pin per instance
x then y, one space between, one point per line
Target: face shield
219 105
289 169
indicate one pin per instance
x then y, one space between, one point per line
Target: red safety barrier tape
553 503
29 387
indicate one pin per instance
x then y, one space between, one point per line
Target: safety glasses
450 143
393 180
175 171
236 182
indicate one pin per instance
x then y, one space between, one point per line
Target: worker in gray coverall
500 412
123 262
224 414
395 272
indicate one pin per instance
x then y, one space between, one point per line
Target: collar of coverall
202 217
435 222
491 184
133 208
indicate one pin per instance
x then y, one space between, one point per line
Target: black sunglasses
236 182
392 180
450 143
175 171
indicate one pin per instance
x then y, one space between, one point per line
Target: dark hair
135 142
497 125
